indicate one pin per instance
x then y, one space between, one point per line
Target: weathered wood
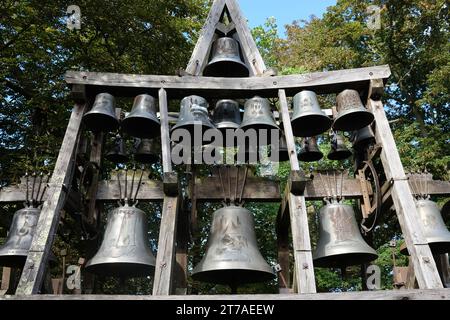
284 111
130 85
35 265
181 257
171 184
78 93
410 223
96 159
200 53
376 89
248 45
438 294
165 134
108 190
165 258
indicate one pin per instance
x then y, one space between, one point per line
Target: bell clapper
39 188
120 187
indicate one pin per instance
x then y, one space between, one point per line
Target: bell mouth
226 69
437 246
117 158
339 155
233 276
310 156
311 125
122 269
146 158
141 127
353 120
344 260
17 258
99 122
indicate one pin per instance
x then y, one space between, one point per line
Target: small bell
310 151
227 115
338 149
125 250
308 118
340 242
226 60
283 153
232 256
142 122
117 154
362 138
148 151
352 115
102 116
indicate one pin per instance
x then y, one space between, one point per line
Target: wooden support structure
35 265
424 264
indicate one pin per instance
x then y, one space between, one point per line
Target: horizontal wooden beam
437 294
130 85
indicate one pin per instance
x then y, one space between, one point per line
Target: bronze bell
258 116
232 256
14 252
340 242
352 115
148 151
117 154
362 138
283 153
125 250
308 119
142 122
227 115
225 60
310 151
102 116
435 231
339 150
193 113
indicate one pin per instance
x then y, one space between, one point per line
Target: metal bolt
305 266
426 259
275 83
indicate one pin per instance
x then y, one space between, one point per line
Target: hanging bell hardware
232 256
308 119
339 150
102 116
142 121
227 115
117 154
362 138
226 60
148 151
310 151
340 242
352 115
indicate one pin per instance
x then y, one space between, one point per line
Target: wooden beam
35 265
96 159
284 111
438 294
200 54
248 45
130 85
165 134
165 258
410 223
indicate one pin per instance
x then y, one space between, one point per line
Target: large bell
148 151
258 116
102 116
352 115
125 250
226 60
193 113
435 231
362 138
340 242
14 251
117 154
308 119
232 256
142 122
310 151
339 150
227 115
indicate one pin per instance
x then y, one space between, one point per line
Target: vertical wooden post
34 270
304 268
284 277
181 252
165 134
6 280
424 265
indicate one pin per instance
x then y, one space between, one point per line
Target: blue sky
285 11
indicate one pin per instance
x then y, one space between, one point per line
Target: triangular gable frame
209 33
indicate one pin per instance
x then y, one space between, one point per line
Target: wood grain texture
284 111
165 132
130 85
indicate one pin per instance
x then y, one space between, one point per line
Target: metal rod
229 181
323 183
342 182
45 187
237 183
27 194
32 188
120 186
126 185
223 186
139 184
243 184
335 184
39 186
329 185
132 183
